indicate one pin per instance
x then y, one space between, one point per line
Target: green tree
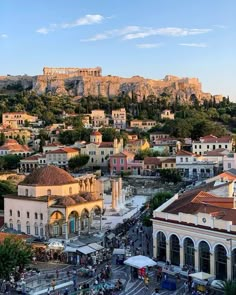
229 287
6 187
13 253
2 138
170 175
11 162
77 162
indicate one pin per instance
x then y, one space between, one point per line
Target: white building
198 228
50 203
229 161
211 142
194 166
119 118
99 118
166 114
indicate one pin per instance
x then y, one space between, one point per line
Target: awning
70 249
95 246
57 245
140 261
111 236
201 275
86 250
118 251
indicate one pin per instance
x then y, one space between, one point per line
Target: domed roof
48 176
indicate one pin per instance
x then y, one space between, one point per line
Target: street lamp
231 258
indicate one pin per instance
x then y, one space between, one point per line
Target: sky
151 38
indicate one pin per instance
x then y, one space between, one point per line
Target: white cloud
174 32
4 36
148 45
137 32
88 19
220 26
202 45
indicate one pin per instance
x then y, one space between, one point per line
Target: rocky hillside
108 86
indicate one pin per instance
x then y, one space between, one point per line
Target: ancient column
89 224
154 238
117 192
181 254
113 188
212 263
168 250
120 190
66 231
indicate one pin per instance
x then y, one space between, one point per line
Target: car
217 284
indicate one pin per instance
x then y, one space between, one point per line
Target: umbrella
140 261
201 275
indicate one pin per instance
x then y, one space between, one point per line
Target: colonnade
94 72
118 197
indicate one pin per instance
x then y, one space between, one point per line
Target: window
36 230
18 226
11 224
27 214
41 216
122 161
181 159
26 192
102 152
18 213
208 146
226 146
166 165
219 146
10 212
41 231
36 215
229 165
49 192
114 161
214 147
28 228
200 146
172 165
195 146
186 159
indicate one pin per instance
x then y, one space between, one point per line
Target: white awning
111 236
70 249
140 261
201 275
118 251
95 246
86 250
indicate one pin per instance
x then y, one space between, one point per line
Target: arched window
41 230
36 215
11 223
161 246
10 212
28 228
49 192
27 214
221 262
18 213
36 229
70 190
174 250
189 252
18 225
204 257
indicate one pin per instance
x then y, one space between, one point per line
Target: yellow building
99 152
51 203
144 125
136 145
16 119
169 163
24 134
60 157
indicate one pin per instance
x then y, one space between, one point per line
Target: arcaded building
198 228
51 203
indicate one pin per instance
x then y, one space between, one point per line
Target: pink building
119 162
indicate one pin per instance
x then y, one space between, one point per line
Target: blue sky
149 38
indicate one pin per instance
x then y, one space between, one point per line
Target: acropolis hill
78 82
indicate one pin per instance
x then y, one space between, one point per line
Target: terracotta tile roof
216 152
170 160
65 150
3 236
97 133
32 158
152 161
48 176
119 155
184 153
213 139
106 145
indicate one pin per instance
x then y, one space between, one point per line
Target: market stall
201 280
118 256
140 265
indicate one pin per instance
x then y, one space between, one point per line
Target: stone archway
72 222
174 250
56 224
84 220
204 257
220 262
95 215
161 246
189 256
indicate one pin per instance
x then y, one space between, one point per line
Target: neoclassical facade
51 203
95 72
198 229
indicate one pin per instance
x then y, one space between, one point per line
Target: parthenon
94 72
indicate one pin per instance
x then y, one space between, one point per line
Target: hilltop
77 82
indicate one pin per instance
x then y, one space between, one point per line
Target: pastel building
166 114
99 152
119 118
51 203
12 147
99 118
17 119
144 125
